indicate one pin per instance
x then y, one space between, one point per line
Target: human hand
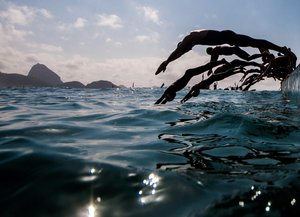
166 97
193 93
161 68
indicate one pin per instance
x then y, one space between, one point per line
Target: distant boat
132 86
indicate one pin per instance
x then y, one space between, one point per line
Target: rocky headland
41 76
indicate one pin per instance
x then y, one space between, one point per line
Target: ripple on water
4 108
113 153
228 151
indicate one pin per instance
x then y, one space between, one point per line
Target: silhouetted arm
173 56
195 90
178 85
178 52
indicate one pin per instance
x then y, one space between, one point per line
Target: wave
114 153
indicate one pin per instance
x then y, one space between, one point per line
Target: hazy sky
124 41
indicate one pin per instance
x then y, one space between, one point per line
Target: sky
124 41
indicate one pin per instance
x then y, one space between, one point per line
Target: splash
292 83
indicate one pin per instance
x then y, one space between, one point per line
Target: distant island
41 76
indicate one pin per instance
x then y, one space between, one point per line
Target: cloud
153 37
142 38
62 27
113 42
23 15
96 35
18 15
74 63
112 21
31 58
125 71
45 13
108 40
44 47
9 33
13 60
151 14
80 23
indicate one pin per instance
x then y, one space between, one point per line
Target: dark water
68 152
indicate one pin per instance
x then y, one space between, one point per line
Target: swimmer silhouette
275 67
214 37
227 51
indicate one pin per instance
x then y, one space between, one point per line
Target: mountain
72 84
44 74
17 80
101 84
41 76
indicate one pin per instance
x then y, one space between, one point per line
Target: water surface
85 152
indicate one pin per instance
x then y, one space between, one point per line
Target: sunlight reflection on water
91 211
150 191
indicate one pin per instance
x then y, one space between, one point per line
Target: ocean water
109 153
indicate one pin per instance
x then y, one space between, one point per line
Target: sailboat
132 86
